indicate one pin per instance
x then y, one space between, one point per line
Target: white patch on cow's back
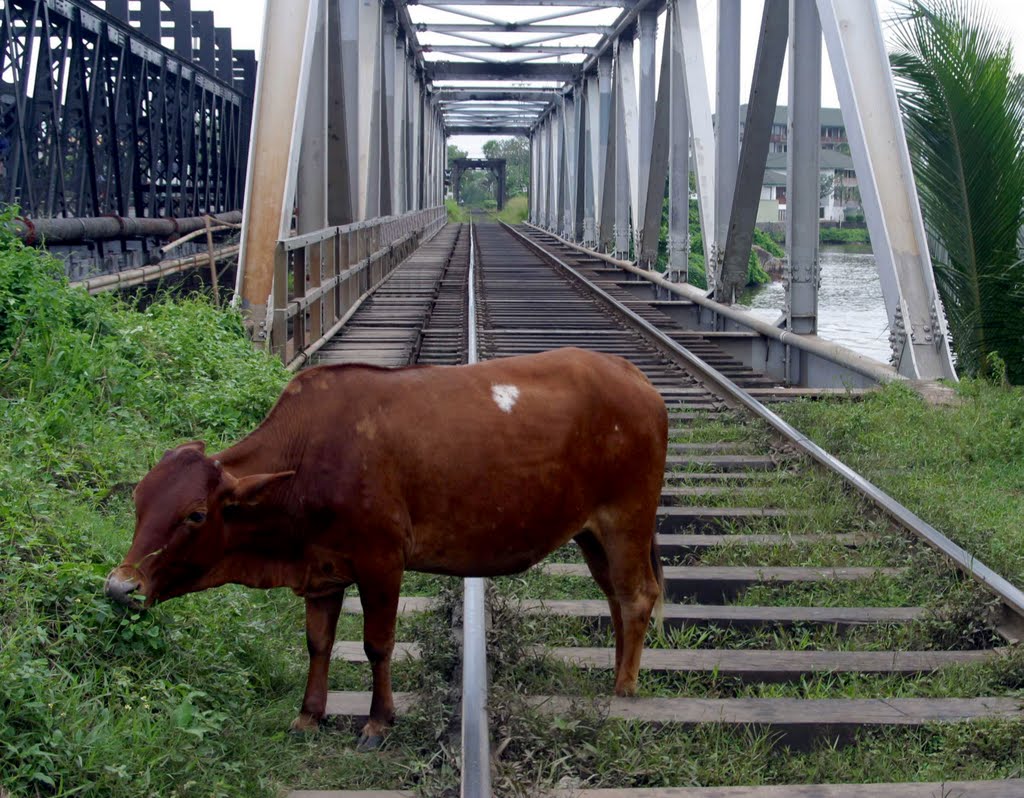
505 396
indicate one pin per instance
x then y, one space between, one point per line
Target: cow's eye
197 517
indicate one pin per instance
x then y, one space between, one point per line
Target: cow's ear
253 489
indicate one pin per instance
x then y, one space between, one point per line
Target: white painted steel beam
278 117
727 127
679 158
702 135
917 324
746 194
802 170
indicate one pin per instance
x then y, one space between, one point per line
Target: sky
245 18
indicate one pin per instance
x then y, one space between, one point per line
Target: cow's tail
659 574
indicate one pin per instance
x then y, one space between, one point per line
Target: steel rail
1011 596
476 744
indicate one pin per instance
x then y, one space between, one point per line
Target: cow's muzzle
122 585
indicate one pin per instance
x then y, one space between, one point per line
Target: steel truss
97 117
346 168
601 149
579 78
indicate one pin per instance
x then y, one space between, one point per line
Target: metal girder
746 194
585 3
442 70
550 31
460 49
802 175
466 95
101 119
702 136
281 92
654 170
727 129
679 159
917 324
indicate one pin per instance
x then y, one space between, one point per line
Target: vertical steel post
702 135
647 31
593 168
605 176
270 185
312 177
727 118
653 199
679 159
802 178
764 94
917 324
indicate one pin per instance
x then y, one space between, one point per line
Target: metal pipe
107 228
476 743
133 277
827 350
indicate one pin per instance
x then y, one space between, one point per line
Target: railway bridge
346 255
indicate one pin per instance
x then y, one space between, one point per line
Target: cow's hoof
304 724
369 742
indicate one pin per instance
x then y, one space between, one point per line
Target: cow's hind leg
321 624
597 561
626 537
379 597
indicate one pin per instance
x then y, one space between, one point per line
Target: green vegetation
960 468
586 748
843 235
193 697
478 186
697 274
456 213
516 210
963 110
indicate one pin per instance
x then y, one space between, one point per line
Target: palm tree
963 110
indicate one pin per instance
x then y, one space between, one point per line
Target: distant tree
963 110
516 152
454 153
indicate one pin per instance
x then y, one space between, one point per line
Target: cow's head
180 530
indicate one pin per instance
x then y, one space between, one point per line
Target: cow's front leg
321 624
380 609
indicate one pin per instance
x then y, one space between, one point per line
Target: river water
851 310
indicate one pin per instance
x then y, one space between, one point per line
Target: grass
961 467
585 748
192 698
456 212
516 210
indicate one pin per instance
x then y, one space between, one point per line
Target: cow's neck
261 452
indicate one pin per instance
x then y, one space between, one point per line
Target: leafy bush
96 700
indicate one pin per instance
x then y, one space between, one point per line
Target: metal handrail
343 265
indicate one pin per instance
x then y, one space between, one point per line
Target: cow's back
486 468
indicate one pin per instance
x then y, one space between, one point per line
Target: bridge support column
917 324
802 158
746 194
727 117
679 158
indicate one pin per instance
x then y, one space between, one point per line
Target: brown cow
361 473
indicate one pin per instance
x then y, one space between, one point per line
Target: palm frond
963 112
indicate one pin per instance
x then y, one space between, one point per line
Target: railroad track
802 623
